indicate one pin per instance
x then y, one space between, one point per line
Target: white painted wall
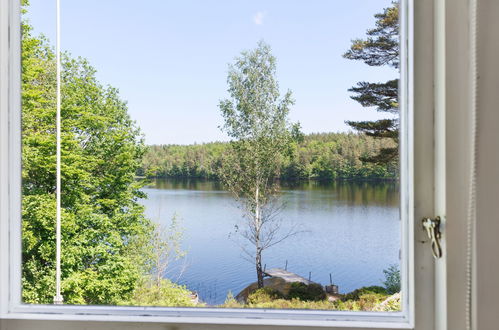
488 167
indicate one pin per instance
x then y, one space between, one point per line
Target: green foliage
356 294
306 292
392 279
292 304
163 293
373 298
230 301
256 119
322 156
165 247
267 297
380 48
264 295
390 304
365 302
104 231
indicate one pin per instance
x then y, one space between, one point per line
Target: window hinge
432 227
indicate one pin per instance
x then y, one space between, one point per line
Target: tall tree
104 254
381 47
256 119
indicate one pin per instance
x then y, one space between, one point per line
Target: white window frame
417 160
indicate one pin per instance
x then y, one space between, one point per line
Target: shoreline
186 178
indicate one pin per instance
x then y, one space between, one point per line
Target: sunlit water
348 229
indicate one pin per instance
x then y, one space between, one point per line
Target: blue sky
169 58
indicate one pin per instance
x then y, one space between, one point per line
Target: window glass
213 154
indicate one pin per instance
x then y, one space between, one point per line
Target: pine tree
379 48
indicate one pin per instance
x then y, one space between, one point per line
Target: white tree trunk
258 224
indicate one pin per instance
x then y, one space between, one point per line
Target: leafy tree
104 254
166 246
256 118
381 47
154 289
392 279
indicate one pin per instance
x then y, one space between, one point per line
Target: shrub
230 301
356 294
365 302
368 301
165 293
304 292
372 298
349 305
264 295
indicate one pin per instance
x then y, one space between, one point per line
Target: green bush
356 294
366 302
372 298
304 292
264 295
231 302
164 293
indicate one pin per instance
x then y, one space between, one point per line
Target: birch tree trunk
258 225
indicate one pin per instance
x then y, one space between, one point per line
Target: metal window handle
432 227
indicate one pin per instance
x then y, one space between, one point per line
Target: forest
319 156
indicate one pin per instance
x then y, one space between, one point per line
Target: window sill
255 317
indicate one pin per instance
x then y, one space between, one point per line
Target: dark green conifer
379 48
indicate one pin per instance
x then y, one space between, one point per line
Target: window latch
432 227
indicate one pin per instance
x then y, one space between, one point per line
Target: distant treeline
321 156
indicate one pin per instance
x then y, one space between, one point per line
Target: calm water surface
348 229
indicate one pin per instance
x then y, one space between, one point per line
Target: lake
350 230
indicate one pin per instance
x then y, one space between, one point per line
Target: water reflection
350 229
383 193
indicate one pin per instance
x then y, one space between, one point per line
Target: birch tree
256 119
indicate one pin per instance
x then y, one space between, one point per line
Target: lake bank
285 181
